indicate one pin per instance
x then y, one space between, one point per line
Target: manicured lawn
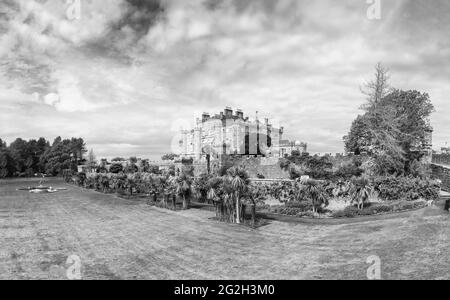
123 239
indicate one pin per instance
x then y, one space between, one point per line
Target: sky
127 74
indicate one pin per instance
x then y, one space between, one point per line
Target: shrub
303 206
409 188
348 212
349 170
351 211
116 168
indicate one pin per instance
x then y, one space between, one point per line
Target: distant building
233 134
445 150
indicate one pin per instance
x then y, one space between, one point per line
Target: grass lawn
124 239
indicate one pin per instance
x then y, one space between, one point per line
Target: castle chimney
240 114
205 117
228 112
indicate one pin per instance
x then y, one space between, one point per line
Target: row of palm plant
227 193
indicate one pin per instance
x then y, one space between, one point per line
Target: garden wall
256 167
441 159
443 173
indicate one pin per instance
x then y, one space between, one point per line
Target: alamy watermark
374 270
73 272
374 9
73 10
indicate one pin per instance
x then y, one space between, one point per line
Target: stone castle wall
443 173
258 166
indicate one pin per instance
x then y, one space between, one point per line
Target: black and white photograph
220 147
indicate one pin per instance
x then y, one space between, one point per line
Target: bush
302 205
349 170
132 168
409 188
348 212
352 211
116 168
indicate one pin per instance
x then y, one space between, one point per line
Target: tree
20 153
360 191
201 187
170 156
239 181
412 112
91 160
118 159
131 168
116 168
359 138
215 190
395 127
78 148
6 164
183 187
26 158
380 121
316 192
60 156
377 89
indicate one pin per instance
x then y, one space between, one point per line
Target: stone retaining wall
443 173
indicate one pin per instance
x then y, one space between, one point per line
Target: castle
231 133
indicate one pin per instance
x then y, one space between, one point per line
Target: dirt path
120 239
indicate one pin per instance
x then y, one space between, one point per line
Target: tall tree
377 88
239 181
91 160
359 139
395 127
380 121
6 166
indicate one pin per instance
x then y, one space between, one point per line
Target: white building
232 133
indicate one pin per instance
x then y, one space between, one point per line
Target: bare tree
377 89
381 120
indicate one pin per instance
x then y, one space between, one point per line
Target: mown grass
126 239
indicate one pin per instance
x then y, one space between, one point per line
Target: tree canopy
26 158
395 127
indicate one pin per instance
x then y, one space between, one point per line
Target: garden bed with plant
235 198
357 197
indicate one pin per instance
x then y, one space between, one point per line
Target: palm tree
239 181
167 186
360 191
215 188
130 183
316 192
183 188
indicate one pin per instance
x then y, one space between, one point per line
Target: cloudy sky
127 73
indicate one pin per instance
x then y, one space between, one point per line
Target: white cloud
299 61
51 99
